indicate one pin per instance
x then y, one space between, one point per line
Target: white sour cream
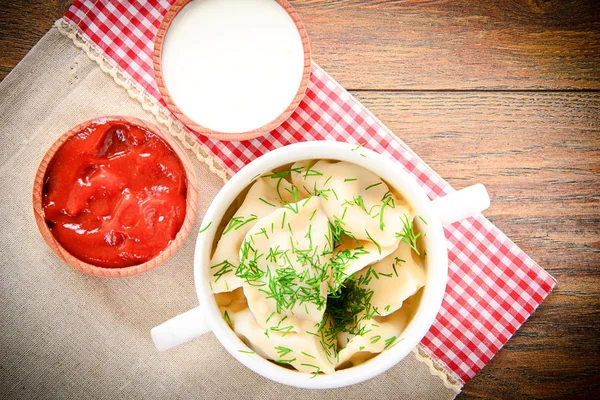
232 65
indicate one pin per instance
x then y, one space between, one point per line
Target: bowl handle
462 204
180 329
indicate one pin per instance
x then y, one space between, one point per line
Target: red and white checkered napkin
493 286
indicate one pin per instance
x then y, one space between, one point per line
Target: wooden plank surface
412 44
506 93
417 44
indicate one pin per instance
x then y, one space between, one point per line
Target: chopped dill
375 339
281 174
373 185
394 267
226 318
317 369
254 177
285 330
307 200
237 222
282 351
389 341
374 242
408 235
246 351
387 201
266 202
285 361
294 192
262 231
205 228
334 193
310 171
225 267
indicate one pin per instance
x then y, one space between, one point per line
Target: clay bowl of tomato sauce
115 197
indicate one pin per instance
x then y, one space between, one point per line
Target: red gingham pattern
493 286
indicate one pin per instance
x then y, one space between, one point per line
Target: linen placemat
493 286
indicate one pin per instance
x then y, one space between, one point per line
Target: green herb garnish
408 234
374 242
237 222
266 202
373 185
205 228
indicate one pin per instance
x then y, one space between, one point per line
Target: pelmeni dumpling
264 197
291 283
354 199
380 333
352 256
304 351
393 279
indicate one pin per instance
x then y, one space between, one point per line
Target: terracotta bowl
62 253
157 63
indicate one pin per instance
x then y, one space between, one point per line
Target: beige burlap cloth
68 335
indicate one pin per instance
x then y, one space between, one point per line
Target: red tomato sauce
114 194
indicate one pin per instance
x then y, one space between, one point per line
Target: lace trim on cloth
176 128
135 91
436 368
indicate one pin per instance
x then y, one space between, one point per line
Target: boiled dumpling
393 279
352 256
304 350
355 200
380 333
264 197
285 266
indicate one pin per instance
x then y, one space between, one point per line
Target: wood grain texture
455 44
506 93
22 24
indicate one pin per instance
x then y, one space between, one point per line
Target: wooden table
506 93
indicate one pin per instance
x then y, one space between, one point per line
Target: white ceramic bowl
443 211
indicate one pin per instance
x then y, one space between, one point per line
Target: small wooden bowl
62 253
263 130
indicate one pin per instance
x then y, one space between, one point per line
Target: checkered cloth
493 286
